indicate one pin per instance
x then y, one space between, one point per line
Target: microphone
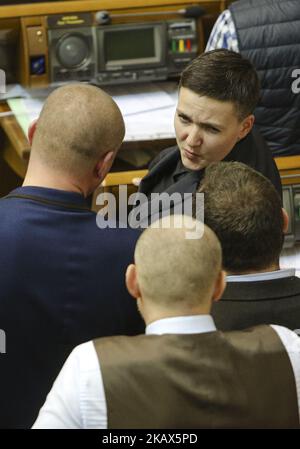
193 12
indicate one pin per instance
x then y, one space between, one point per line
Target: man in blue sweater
62 278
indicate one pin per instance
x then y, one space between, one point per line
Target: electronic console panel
74 47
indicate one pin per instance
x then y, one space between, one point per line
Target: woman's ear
31 130
246 126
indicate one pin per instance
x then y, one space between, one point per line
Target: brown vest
238 379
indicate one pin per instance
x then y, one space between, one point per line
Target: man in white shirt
183 373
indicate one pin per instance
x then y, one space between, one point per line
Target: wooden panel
289 168
36 40
126 177
288 162
31 45
111 185
212 6
15 134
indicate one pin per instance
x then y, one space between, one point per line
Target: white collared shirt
264 276
195 324
77 398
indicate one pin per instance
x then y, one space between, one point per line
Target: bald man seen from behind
183 374
61 278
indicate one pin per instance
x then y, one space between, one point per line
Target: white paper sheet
148 109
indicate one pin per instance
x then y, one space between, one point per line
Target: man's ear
103 165
285 220
131 281
31 130
219 286
246 126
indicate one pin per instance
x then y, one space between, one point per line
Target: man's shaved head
173 270
78 124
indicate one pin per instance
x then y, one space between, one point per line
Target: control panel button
37 65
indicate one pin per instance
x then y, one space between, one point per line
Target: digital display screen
129 44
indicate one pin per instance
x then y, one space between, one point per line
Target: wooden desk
289 169
14 149
14 153
44 8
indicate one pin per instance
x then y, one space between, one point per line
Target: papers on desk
17 91
148 109
140 98
13 91
25 110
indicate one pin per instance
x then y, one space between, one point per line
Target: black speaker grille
72 51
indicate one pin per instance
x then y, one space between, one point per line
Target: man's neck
150 316
66 186
273 267
38 176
